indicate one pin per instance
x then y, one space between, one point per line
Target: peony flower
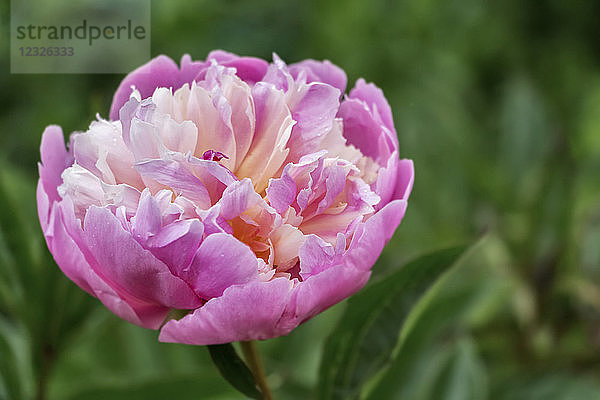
251 196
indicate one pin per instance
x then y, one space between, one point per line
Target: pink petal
220 262
281 192
176 244
55 160
286 241
368 241
321 291
242 120
64 243
58 241
43 205
278 75
327 226
158 72
374 98
144 140
313 107
314 115
237 198
249 69
317 255
221 56
210 111
386 180
244 312
189 69
335 180
180 137
213 221
148 219
153 134
175 175
101 150
405 180
273 127
321 71
233 104
127 267
364 132
132 110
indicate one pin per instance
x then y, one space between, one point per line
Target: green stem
46 366
255 364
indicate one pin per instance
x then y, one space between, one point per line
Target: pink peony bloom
254 195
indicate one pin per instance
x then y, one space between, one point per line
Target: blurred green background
497 103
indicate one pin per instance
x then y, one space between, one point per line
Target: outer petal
220 262
189 69
319 292
55 160
386 180
244 312
405 179
320 71
63 242
249 69
362 130
43 205
335 283
374 98
59 242
158 72
126 266
370 238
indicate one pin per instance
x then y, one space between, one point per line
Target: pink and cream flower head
251 196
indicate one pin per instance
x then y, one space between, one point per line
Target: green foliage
368 331
234 370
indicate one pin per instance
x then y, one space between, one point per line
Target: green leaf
448 370
233 369
476 291
424 348
369 330
16 377
548 386
20 238
463 376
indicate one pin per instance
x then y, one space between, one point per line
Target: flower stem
255 364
